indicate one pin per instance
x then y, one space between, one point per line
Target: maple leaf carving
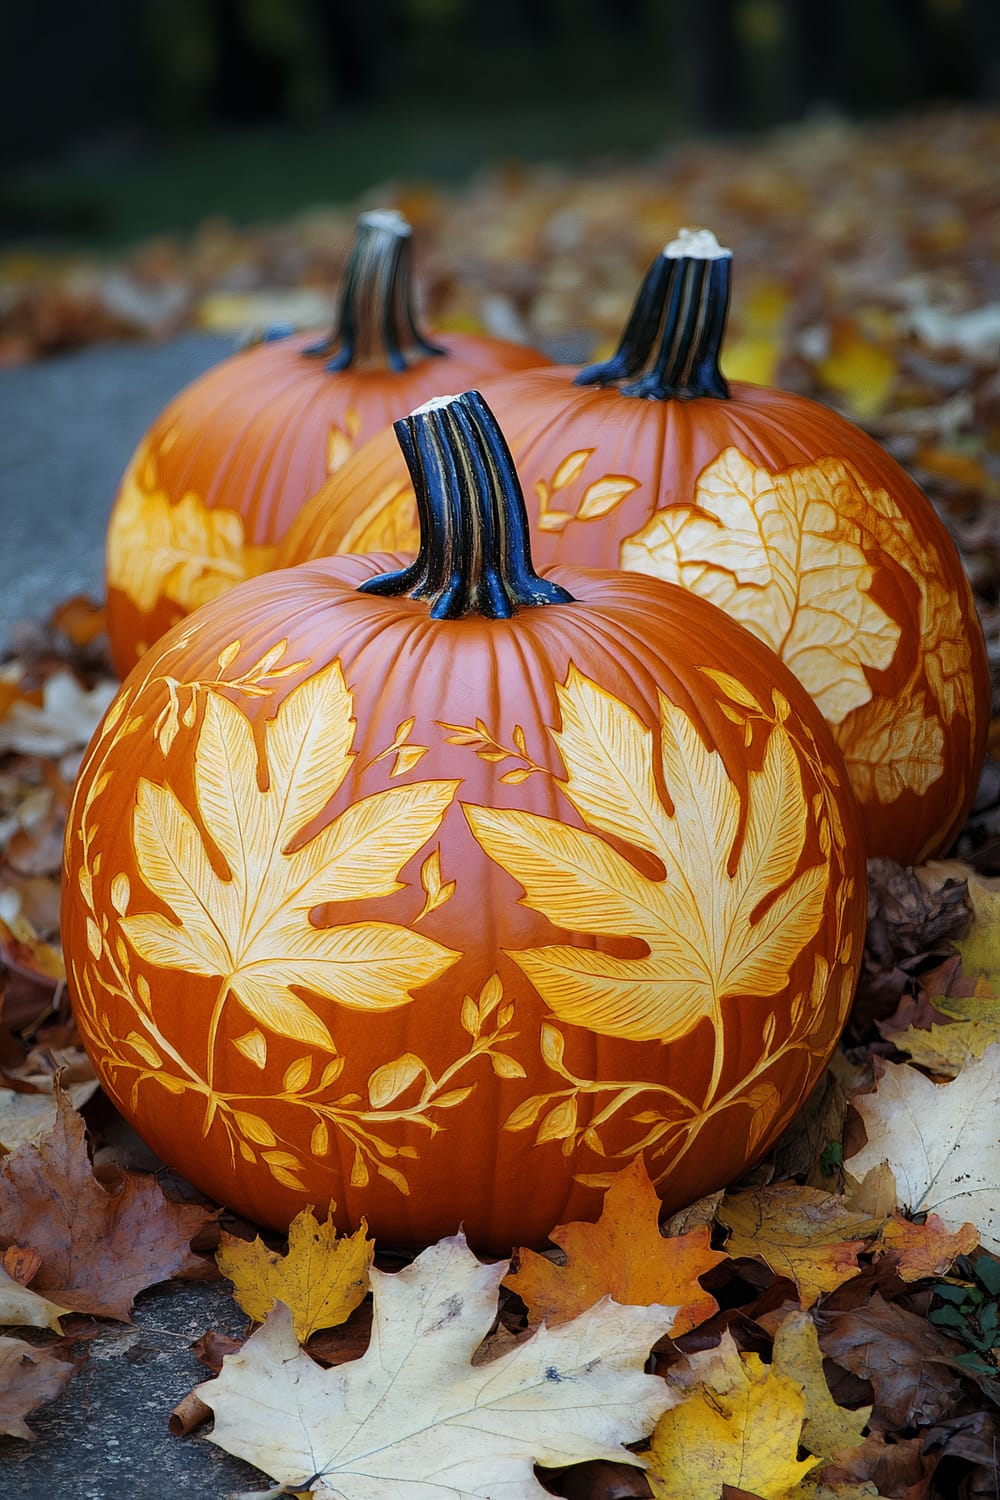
191 553
710 932
778 553
321 1279
253 929
623 1256
413 1416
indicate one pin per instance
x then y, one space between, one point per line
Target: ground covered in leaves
830 1326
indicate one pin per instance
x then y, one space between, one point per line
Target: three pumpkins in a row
440 888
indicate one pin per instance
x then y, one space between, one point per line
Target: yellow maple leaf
322 1278
780 553
800 1232
945 1049
740 1426
253 928
828 1429
711 932
623 1256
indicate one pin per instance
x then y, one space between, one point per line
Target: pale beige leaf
414 1404
941 1141
22 1308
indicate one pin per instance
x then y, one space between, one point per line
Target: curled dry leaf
623 1256
22 1308
321 1279
415 1416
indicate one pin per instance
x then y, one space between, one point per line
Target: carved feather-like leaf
710 933
253 928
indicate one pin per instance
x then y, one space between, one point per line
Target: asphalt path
68 426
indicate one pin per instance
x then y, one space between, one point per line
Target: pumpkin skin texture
444 919
776 508
218 478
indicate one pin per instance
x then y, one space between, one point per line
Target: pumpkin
440 893
218 478
771 505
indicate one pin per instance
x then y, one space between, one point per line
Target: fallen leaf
742 1426
28 1378
414 1405
941 1141
322 1278
29 1117
980 953
905 1358
67 718
828 1429
99 1249
927 1249
946 1049
623 1256
861 371
21 1308
802 1233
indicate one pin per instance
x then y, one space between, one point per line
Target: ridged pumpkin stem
640 331
376 327
697 302
474 552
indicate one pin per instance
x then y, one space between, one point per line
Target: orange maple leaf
623 1256
928 1249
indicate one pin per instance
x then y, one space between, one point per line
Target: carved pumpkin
441 893
222 472
774 507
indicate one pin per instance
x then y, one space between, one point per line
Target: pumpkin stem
474 554
640 331
682 302
376 327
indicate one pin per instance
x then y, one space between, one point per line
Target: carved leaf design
710 933
189 554
253 929
781 554
888 754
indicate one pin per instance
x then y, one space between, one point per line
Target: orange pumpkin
776 508
222 472
440 894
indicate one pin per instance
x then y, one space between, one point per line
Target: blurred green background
122 118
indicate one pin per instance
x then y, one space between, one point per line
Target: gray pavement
68 426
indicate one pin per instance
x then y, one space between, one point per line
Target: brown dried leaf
907 1360
99 1249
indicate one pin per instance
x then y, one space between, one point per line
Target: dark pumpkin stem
640 331
474 554
675 330
376 327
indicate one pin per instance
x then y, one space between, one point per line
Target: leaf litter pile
828 1327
